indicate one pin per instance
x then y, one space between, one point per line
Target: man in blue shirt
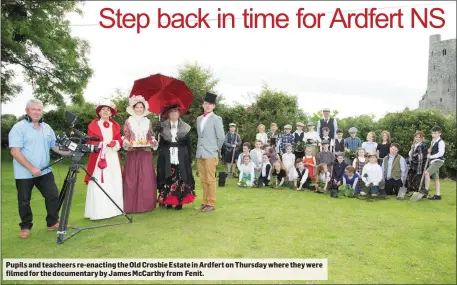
29 142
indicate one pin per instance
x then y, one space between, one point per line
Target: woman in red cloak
104 166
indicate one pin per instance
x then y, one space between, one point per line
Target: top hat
135 100
112 108
210 98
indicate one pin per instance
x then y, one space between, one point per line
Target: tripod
66 196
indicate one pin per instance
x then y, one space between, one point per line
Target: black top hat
210 98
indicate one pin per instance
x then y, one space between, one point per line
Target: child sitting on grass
372 175
278 175
351 178
246 151
265 173
247 174
300 176
322 178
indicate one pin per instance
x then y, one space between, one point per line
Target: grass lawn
365 242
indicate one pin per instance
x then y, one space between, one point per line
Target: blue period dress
351 181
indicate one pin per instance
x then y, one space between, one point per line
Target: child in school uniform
326 137
383 148
372 175
261 135
256 158
246 151
300 175
325 156
265 173
339 142
288 160
351 178
286 138
274 137
352 143
370 145
338 170
322 178
247 173
312 138
298 138
278 175
436 156
358 164
310 162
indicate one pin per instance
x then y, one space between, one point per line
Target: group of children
322 164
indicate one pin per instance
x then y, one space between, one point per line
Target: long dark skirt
413 180
139 181
175 191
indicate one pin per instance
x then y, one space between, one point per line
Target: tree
36 39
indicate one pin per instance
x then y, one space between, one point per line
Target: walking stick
233 154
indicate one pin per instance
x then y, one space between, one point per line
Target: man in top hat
210 130
328 122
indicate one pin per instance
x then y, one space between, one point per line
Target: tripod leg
109 197
63 191
66 206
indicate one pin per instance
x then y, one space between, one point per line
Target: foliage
346 191
36 39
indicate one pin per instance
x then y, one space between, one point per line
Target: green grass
365 242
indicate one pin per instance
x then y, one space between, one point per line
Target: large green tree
36 40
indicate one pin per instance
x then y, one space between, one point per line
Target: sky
355 71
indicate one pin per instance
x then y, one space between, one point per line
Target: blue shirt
34 145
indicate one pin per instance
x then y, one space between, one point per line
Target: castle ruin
441 84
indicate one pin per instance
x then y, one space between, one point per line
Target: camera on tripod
78 143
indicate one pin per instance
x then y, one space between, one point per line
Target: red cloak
93 130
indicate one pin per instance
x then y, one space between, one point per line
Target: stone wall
441 85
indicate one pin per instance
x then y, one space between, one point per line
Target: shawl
183 129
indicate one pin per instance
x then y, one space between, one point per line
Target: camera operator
29 142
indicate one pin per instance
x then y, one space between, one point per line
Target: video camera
76 143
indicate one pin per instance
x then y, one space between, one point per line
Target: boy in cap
210 130
286 138
232 143
312 138
298 138
352 143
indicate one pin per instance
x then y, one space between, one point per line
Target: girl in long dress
140 183
104 166
175 180
417 157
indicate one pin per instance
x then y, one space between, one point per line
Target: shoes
179 207
208 209
435 197
201 207
55 227
25 233
169 206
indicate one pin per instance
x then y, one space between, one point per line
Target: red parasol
161 90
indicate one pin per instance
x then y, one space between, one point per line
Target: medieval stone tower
441 85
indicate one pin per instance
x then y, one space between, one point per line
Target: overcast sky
355 71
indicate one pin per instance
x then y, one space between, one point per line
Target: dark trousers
262 180
392 186
48 188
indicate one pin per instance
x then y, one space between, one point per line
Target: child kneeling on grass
247 172
351 178
300 176
372 175
322 178
278 176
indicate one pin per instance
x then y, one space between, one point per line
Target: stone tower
441 85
